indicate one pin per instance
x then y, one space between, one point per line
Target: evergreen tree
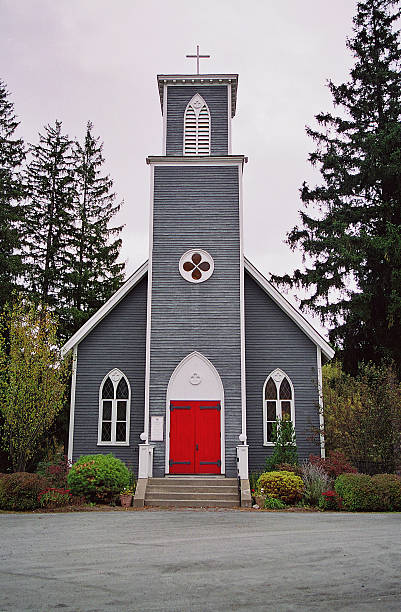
94 272
49 220
351 232
12 154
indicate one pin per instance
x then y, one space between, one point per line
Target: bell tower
196 280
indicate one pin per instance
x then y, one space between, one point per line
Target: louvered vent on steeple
197 127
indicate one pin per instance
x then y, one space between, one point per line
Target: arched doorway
195 418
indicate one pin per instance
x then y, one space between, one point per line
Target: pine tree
49 221
12 154
351 227
95 273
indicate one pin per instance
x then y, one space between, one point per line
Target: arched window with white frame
278 402
197 127
114 409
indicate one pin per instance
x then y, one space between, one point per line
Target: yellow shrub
282 485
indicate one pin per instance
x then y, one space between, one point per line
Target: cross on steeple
197 56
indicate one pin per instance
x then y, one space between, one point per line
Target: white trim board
72 403
148 265
196 160
242 306
275 295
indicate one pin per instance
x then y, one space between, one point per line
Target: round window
196 266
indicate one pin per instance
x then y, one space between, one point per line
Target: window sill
113 444
268 443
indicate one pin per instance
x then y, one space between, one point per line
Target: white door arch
195 378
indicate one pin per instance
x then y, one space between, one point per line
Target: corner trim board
72 403
164 111
149 313
242 307
320 391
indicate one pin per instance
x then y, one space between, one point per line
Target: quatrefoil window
196 266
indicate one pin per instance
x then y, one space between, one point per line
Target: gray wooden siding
116 342
196 207
217 101
273 341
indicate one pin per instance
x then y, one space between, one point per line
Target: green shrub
390 490
330 500
358 492
364 493
316 480
20 491
253 481
55 470
288 467
285 449
282 485
99 478
272 503
54 498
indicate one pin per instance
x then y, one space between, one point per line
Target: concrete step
192 503
158 494
170 488
217 482
196 492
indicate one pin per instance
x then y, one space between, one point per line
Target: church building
186 367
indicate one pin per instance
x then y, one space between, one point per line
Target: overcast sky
75 60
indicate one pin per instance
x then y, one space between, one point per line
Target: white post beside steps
242 461
242 467
145 469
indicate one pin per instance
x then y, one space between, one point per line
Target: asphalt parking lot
200 561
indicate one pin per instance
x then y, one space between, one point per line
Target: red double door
195 443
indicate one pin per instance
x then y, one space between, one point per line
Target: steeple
219 95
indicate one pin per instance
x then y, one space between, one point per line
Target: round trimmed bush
98 478
20 491
282 485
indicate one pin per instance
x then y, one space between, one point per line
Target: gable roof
289 309
104 310
271 291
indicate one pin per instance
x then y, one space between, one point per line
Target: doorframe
170 398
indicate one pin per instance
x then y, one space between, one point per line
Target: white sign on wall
156 429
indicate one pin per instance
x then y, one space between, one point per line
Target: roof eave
289 309
275 295
193 79
105 309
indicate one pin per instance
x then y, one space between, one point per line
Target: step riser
185 503
182 489
195 482
192 492
198 496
